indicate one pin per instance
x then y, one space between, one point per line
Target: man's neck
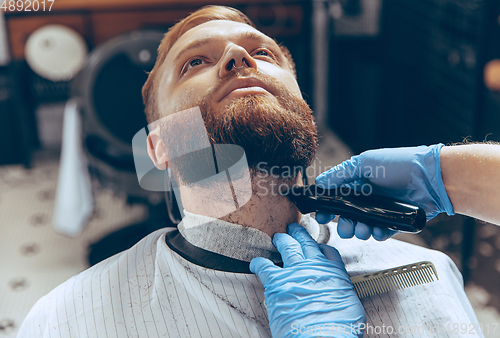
266 210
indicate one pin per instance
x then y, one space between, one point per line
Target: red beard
281 134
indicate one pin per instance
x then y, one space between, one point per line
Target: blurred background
377 73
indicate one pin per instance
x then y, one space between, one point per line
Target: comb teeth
401 277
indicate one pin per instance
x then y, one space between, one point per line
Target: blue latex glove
411 175
312 295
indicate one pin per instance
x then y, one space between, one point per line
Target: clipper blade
401 277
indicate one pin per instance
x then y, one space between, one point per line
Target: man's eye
192 63
262 52
266 54
195 62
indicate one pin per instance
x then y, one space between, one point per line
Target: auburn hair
202 15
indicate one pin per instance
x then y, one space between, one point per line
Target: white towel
74 201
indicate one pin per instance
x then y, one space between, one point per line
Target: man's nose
236 57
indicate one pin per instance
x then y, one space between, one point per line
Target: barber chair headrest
108 89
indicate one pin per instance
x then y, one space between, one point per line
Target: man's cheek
189 96
184 100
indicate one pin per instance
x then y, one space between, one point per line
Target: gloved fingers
308 244
381 234
362 231
345 228
330 253
339 175
263 268
289 248
322 218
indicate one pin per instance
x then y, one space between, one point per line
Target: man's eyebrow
206 41
194 45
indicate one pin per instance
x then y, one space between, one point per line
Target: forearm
471 175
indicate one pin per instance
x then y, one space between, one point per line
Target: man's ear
156 150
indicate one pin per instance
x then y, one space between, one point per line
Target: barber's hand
412 175
311 292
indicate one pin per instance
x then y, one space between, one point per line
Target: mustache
242 73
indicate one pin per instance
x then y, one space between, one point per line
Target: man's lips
244 86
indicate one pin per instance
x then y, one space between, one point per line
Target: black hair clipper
373 210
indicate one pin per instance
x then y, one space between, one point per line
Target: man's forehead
215 30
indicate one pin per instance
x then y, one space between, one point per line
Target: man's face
204 58
246 92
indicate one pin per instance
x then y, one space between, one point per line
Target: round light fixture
55 52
